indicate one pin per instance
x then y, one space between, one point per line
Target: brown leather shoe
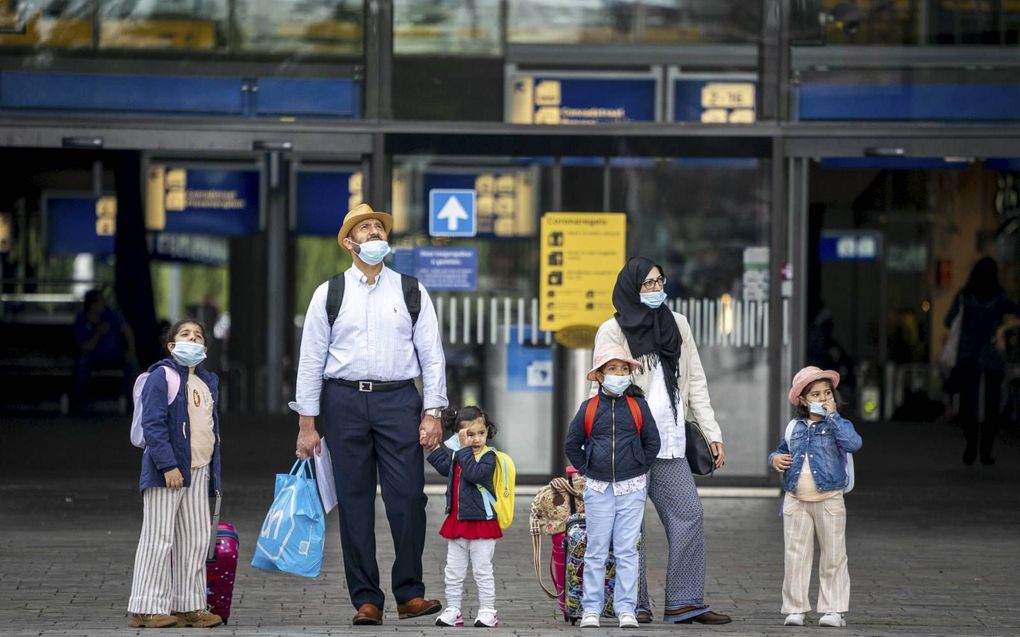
368 615
418 607
709 618
644 617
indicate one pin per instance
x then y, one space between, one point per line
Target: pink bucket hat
808 375
607 354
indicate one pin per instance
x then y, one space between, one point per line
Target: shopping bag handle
303 468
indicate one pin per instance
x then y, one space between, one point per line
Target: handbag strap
211 553
536 550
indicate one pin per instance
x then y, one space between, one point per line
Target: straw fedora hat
360 213
608 353
808 375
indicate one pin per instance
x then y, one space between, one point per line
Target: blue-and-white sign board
849 246
529 367
452 213
447 268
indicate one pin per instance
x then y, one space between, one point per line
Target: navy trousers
369 434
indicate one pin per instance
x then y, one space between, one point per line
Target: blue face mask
818 409
373 252
653 299
188 354
615 385
453 443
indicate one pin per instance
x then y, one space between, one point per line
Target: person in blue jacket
180 470
613 441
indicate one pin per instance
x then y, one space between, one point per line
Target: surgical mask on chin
373 252
615 385
453 443
653 299
188 354
817 408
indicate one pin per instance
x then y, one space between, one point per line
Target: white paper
324 477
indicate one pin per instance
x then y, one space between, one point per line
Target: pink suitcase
221 566
558 569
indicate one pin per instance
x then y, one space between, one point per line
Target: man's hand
174 479
782 461
430 431
718 453
307 438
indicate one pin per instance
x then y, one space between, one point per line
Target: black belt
372 385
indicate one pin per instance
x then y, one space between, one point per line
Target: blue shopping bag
291 537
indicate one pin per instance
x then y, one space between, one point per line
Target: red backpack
593 404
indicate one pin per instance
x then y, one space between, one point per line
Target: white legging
480 554
175 530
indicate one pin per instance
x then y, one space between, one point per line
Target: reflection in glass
918 22
447 26
317 27
641 21
163 24
50 23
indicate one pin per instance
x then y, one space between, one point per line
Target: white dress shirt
371 339
672 435
619 488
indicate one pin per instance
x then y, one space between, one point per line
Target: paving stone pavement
934 546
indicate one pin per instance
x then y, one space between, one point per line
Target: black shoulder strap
412 296
334 298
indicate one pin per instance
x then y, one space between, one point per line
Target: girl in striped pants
180 469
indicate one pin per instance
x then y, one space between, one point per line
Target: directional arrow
452 212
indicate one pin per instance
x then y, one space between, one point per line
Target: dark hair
168 336
983 282
91 298
802 411
452 419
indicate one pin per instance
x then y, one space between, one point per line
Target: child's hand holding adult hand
174 479
781 462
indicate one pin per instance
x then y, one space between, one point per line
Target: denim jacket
823 442
474 472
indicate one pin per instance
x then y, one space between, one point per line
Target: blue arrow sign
452 213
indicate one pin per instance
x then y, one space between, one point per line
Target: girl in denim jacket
813 465
470 530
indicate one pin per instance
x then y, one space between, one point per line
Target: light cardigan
693 385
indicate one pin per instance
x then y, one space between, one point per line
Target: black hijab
648 331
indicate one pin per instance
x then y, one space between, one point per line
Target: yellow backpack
502 503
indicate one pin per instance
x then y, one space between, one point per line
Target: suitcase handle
211 554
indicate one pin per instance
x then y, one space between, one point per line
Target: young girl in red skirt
471 530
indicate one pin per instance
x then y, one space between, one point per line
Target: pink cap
607 354
808 375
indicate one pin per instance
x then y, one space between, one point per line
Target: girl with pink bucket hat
812 458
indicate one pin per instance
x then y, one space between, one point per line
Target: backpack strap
335 297
589 415
635 412
789 433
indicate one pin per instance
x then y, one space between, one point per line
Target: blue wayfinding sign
447 268
452 213
321 200
849 246
529 367
74 224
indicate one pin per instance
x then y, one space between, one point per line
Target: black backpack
335 297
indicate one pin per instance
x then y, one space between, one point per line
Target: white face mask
616 385
373 252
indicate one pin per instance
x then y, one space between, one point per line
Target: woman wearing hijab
985 306
674 384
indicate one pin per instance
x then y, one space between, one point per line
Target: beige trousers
801 522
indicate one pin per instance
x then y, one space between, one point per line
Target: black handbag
699 452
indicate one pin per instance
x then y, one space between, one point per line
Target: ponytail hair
453 417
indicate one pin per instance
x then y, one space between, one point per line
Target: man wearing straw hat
368 333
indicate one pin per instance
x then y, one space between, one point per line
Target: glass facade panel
320 27
198 25
633 21
46 23
447 27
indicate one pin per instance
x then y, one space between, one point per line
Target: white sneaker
486 618
590 620
794 619
628 620
450 617
832 620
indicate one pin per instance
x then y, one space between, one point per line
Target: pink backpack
173 384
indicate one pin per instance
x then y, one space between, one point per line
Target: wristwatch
435 412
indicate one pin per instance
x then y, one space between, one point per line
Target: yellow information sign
581 254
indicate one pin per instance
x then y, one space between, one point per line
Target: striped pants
801 521
175 531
